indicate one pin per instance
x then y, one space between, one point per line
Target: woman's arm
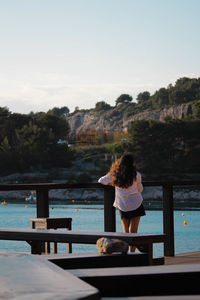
107 179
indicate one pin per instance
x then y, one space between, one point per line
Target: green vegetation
30 142
184 90
166 148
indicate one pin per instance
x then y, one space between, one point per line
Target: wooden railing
42 193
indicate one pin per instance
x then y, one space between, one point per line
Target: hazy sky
78 52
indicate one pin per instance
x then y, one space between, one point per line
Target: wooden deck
184 258
143 281
39 277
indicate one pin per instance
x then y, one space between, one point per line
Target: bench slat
80 237
35 236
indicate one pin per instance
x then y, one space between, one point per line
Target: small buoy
185 222
3 203
183 214
26 206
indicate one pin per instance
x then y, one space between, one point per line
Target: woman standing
128 187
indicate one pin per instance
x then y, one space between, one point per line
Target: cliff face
116 120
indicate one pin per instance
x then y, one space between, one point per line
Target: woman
128 187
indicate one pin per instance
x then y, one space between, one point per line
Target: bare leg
133 228
125 225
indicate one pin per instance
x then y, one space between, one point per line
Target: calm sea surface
91 217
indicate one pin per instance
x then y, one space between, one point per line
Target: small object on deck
109 246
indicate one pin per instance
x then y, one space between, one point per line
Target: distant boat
31 199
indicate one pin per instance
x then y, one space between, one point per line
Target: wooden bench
52 223
24 276
35 236
143 281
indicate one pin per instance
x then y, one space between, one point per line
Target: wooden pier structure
25 276
42 193
93 276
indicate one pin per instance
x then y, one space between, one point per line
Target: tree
196 112
102 105
124 98
157 146
160 98
59 126
59 112
4 112
185 90
143 97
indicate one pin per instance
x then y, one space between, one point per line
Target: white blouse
126 199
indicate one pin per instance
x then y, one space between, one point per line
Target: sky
75 53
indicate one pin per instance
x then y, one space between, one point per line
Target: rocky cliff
116 119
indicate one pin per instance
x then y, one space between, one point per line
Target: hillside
176 101
119 118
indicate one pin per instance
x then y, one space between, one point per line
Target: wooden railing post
109 210
42 203
168 219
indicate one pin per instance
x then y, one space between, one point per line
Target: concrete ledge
30 277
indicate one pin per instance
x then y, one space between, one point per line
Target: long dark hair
123 171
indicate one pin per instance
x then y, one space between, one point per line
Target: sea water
91 217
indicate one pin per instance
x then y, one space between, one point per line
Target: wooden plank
26 277
80 237
95 260
35 236
168 220
172 297
148 281
42 203
184 258
109 210
50 186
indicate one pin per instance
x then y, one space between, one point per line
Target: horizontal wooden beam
79 237
54 186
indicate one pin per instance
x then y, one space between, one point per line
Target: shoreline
153 207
